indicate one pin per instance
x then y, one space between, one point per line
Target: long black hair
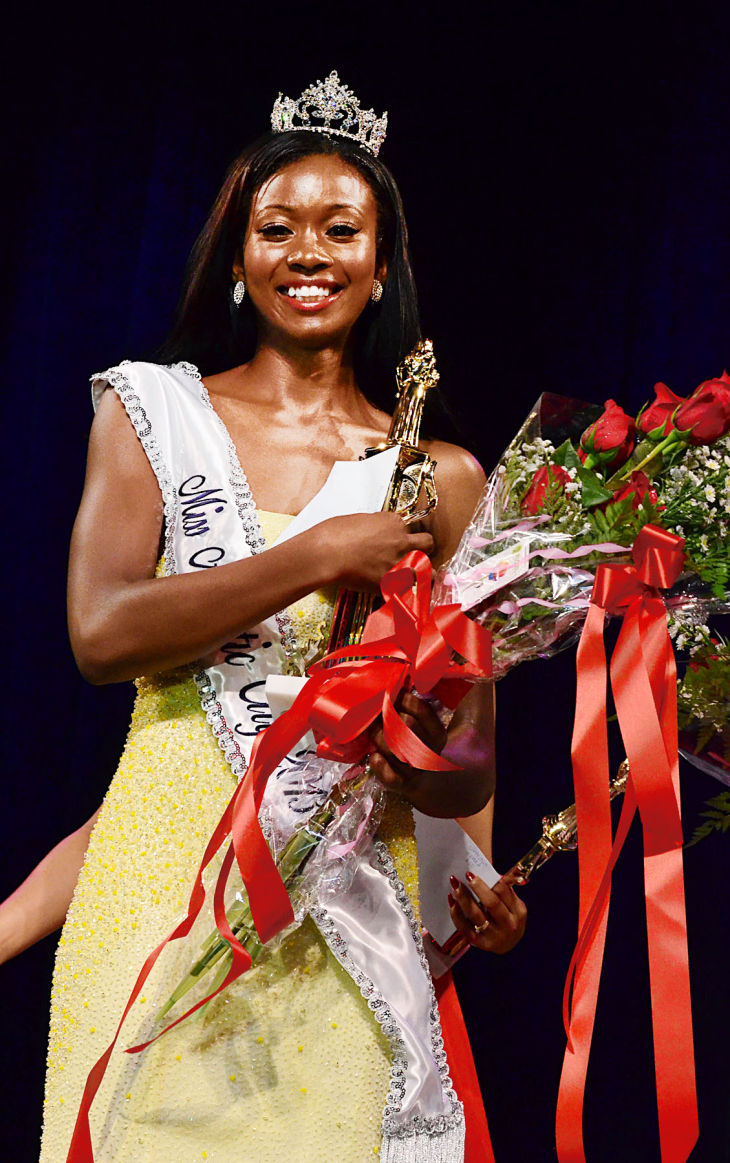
212 333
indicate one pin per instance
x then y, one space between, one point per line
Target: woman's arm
124 622
479 827
40 904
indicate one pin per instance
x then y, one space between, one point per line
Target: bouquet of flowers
587 515
573 490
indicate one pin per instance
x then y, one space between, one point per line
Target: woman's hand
423 721
495 921
363 547
468 743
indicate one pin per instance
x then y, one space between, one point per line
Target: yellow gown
288 1063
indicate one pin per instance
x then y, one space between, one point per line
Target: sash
211 520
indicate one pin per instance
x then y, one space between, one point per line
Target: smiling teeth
308 292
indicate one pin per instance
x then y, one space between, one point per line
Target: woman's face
309 256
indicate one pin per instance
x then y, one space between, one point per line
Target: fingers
422 541
420 718
500 906
473 912
517 907
410 704
501 900
477 928
383 770
461 923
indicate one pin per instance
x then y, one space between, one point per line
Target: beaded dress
288 1063
291 1062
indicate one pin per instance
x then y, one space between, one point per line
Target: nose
307 254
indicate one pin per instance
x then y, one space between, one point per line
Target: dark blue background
566 175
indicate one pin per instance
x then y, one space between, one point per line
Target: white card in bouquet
492 574
445 850
353 486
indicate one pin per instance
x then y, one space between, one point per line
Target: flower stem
674 437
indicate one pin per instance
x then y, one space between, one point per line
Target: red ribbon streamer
403 646
643 679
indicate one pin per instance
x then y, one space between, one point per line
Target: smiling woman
311 238
181 570
211 333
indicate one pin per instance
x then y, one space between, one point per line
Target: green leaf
566 456
594 491
717 818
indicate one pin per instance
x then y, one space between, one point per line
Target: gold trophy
411 493
559 834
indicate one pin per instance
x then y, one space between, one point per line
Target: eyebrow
292 209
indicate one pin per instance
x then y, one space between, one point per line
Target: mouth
309 297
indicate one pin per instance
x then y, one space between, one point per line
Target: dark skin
291 411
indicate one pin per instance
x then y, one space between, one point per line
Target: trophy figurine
559 833
411 492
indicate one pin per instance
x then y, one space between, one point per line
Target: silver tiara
329 107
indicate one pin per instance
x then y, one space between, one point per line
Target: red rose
656 420
610 439
637 485
705 416
547 475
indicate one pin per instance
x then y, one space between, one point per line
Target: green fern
717 818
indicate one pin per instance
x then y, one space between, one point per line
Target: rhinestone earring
238 292
377 292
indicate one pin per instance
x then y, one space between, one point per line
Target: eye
274 230
343 230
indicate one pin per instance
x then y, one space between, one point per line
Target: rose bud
610 439
638 485
655 422
705 416
547 475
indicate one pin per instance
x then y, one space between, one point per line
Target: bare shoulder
114 447
459 482
456 465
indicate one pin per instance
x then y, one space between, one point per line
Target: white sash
210 519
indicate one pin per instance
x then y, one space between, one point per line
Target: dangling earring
238 292
377 292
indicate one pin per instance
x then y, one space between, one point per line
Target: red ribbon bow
643 679
403 646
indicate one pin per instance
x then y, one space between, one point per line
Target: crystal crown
330 107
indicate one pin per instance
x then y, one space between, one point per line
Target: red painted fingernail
470 876
454 883
452 902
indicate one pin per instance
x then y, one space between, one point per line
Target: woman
299 306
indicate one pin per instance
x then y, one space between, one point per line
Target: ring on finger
483 927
